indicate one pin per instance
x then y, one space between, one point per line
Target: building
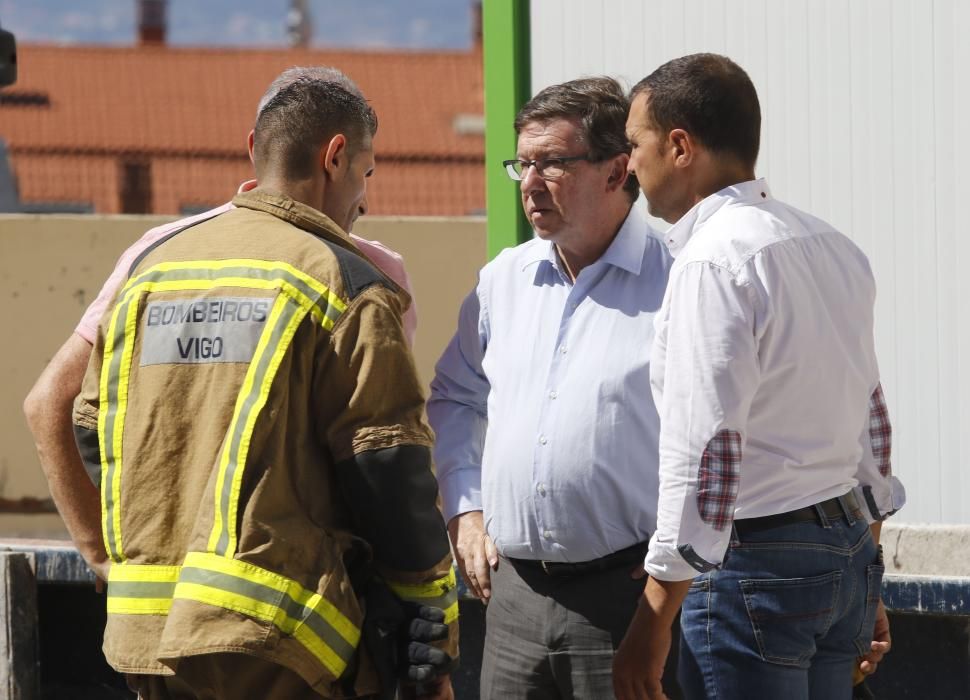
158 129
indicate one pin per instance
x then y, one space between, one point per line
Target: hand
99 564
639 662
474 551
881 642
100 568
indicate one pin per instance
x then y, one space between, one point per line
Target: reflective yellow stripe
150 573
441 593
107 460
266 265
282 345
280 327
307 293
131 321
305 290
115 373
426 590
235 585
250 572
218 525
311 619
141 589
118 605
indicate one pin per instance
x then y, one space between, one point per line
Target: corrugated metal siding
866 109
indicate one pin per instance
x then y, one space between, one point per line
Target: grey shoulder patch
144 254
694 559
358 273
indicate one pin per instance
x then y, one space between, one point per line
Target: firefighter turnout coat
253 418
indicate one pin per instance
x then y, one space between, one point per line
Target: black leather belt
831 510
622 557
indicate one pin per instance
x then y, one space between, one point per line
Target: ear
682 148
333 155
251 142
619 165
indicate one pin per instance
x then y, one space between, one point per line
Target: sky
363 24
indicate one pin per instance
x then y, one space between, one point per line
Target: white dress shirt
541 403
764 372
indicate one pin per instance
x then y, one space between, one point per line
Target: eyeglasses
548 168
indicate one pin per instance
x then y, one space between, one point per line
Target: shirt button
547 534
542 440
553 395
541 488
562 349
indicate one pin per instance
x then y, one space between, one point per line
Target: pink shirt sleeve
87 328
392 265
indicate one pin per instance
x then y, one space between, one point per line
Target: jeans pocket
701 583
874 574
787 615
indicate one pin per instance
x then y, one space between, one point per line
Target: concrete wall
51 268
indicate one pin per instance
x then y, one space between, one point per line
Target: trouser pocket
787 615
874 574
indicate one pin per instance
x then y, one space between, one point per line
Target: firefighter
253 419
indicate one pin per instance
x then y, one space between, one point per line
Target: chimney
299 26
152 22
477 26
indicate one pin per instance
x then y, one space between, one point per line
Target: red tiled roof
180 103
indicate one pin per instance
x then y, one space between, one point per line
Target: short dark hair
598 104
301 117
710 97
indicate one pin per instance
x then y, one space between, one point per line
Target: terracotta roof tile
181 103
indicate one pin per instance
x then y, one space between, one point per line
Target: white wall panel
866 109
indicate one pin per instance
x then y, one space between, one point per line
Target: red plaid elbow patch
719 479
880 431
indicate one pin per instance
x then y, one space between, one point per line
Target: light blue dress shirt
542 405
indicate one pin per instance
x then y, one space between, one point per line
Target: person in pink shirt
49 404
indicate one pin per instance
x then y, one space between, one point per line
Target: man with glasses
546 433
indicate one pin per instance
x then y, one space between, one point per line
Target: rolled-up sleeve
704 372
457 409
881 493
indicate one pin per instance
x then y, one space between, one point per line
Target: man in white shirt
546 441
775 438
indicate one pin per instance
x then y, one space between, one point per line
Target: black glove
424 624
398 635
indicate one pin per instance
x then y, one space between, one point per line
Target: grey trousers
553 637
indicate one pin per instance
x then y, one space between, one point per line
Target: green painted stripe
249 405
271 596
508 86
141 589
331 312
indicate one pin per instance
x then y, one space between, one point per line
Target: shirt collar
749 192
296 213
624 252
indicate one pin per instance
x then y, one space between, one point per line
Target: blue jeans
784 617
